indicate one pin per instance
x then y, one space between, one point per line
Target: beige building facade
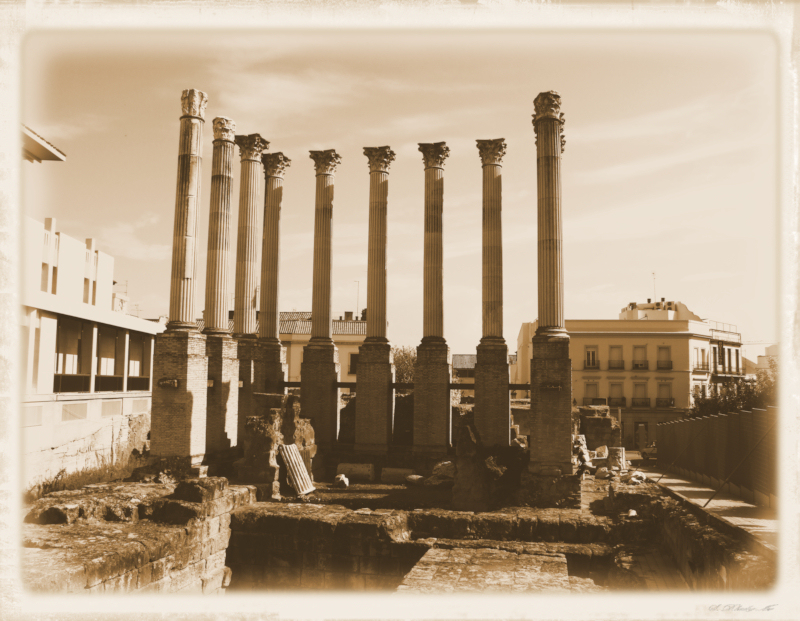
86 380
646 365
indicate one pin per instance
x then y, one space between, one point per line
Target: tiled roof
464 361
299 322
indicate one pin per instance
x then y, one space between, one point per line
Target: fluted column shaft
247 269
184 240
376 251
274 166
550 264
216 312
325 164
492 249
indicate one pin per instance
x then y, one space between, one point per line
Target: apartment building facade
646 365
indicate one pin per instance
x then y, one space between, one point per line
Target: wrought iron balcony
664 365
594 401
640 364
617 365
701 367
591 365
640 402
665 402
617 402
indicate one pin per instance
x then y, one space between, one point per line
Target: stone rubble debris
415 479
443 474
634 478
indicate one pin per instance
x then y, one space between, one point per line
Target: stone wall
599 428
132 537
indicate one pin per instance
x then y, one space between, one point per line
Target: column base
179 399
374 397
432 406
247 353
222 430
271 369
551 405
319 395
492 404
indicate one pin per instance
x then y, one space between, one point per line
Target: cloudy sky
670 163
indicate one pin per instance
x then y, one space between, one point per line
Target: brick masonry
432 404
375 401
222 427
247 353
551 406
492 404
178 423
319 395
271 370
132 538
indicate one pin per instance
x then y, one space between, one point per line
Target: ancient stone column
432 407
247 269
319 371
551 371
271 368
223 364
375 371
180 365
492 405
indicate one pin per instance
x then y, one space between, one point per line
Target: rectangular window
640 398
45 274
615 360
591 358
615 398
94 293
737 361
664 359
640 357
664 398
590 393
353 364
86 288
54 284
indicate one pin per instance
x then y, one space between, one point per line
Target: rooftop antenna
655 297
358 294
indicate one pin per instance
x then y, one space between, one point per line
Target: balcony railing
640 402
665 402
640 364
138 383
108 383
71 383
723 370
594 401
664 365
616 402
701 367
591 365
618 365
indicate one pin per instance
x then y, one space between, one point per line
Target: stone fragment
341 481
602 473
616 457
443 474
357 472
395 475
415 479
601 452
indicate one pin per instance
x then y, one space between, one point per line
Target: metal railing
591 365
616 365
640 364
640 402
664 365
701 367
665 402
594 401
617 402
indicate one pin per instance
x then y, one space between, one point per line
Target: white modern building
646 365
86 362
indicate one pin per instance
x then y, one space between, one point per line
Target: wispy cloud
708 276
74 127
124 240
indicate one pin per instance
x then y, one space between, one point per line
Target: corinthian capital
325 162
548 106
224 129
380 158
251 146
193 103
434 154
275 164
492 151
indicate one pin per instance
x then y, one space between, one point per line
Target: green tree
739 394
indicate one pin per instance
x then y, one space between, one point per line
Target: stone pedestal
551 406
432 408
271 370
180 373
222 420
247 353
374 397
492 403
319 373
